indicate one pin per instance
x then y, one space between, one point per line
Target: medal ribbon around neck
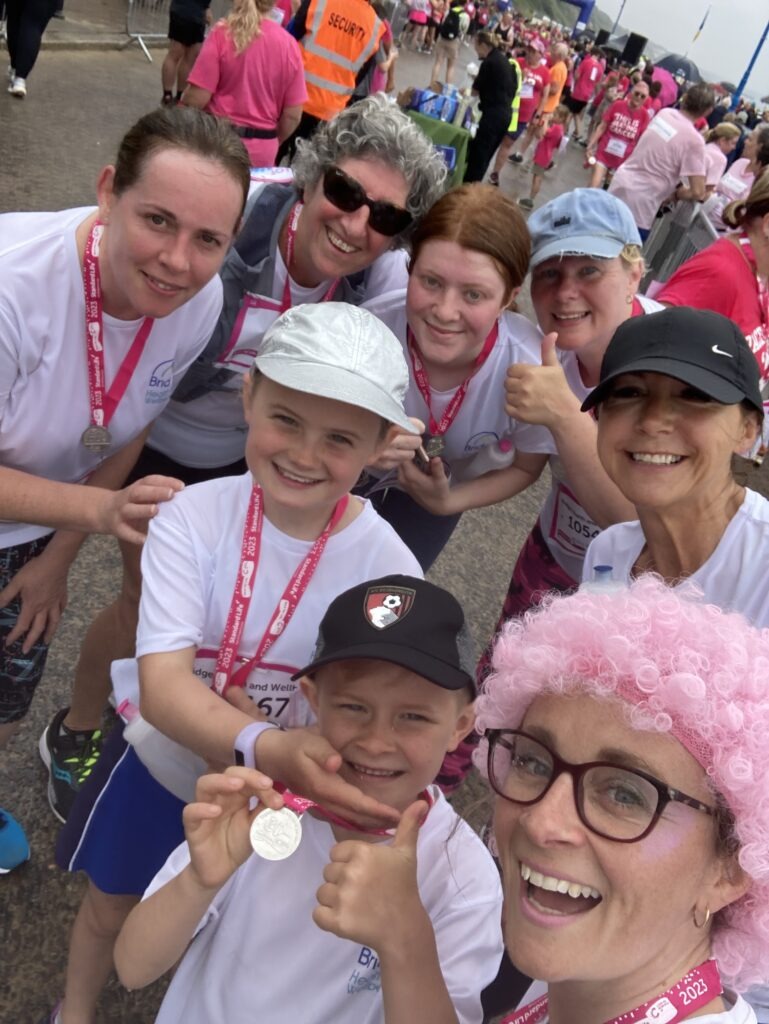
420 376
103 402
293 222
696 989
241 596
763 288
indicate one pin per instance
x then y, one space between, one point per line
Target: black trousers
491 131
27 20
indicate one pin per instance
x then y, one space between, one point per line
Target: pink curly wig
679 666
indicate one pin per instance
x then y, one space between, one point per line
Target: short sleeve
206 71
296 89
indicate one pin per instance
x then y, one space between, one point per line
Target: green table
443 133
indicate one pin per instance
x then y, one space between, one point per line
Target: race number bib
257 313
269 686
571 528
616 147
663 129
527 91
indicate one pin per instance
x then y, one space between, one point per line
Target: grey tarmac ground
51 147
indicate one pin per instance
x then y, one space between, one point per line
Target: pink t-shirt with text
254 87
533 82
669 150
624 127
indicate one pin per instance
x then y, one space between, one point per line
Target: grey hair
375 128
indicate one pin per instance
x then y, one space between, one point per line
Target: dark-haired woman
101 312
494 86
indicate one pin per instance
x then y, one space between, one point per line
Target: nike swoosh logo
720 352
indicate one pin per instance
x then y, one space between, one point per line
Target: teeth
656 460
293 476
570 316
161 284
381 772
337 241
552 884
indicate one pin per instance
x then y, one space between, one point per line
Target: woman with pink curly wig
625 736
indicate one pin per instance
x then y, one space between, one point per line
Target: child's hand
539 394
400 449
309 766
430 490
217 825
370 892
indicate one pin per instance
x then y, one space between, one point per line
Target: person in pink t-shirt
670 150
550 139
616 136
250 71
586 78
719 143
535 78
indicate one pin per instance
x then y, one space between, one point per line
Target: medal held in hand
275 835
433 445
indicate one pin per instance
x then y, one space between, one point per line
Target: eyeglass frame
666 794
375 206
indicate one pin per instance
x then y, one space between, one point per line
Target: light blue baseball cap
583 222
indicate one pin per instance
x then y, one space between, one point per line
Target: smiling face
665 444
583 299
640 926
167 235
331 243
305 451
391 726
454 298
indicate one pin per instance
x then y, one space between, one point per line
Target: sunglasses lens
346 194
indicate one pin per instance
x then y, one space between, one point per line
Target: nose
655 415
355 223
376 736
176 254
554 818
303 452
446 307
567 287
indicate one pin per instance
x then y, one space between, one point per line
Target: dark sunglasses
347 195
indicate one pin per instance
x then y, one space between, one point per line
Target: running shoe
515 158
526 203
18 88
14 848
69 757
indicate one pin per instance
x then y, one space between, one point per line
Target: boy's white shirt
258 956
189 566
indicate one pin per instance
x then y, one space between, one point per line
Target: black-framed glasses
349 195
615 802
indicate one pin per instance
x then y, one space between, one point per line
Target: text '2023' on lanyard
434 444
241 596
96 437
696 989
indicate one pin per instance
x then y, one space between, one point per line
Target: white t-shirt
669 150
565 524
44 402
738 1011
734 577
210 431
189 566
481 420
258 956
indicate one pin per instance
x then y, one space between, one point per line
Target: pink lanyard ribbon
241 596
696 989
104 402
293 222
763 289
422 382
300 804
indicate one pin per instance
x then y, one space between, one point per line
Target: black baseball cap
403 620
696 346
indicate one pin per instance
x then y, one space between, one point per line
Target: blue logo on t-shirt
369 979
160 382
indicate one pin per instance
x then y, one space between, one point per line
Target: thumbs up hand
370 892
539 394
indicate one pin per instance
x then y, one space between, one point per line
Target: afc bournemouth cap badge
384 606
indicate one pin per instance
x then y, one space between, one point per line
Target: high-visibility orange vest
341 36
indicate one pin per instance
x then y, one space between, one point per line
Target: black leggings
491 130
27 20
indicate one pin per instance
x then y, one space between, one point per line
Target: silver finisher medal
434 446
276 834
96 439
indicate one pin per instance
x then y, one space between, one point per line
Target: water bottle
494 456
169 763
603 581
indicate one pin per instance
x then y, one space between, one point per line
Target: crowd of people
284 359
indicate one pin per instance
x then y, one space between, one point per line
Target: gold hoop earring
629 299
703 923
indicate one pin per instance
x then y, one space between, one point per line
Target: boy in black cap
392 687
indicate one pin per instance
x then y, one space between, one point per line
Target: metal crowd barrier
675 238
148 20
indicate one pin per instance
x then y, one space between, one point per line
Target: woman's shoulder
22 231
